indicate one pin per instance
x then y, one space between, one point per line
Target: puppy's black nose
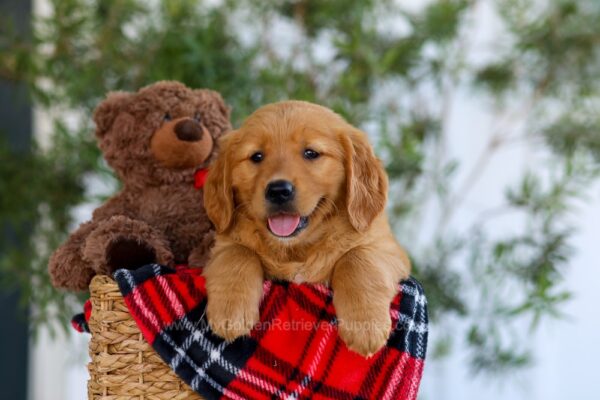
188 130
280 192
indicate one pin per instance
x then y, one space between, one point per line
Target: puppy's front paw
364 335
229 317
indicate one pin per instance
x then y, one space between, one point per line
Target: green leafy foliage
39 189
496 77
397 83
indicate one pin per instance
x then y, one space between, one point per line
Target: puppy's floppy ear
218 194
366 180
107 111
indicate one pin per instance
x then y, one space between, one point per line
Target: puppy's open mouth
286 225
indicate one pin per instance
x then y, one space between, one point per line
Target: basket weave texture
123 365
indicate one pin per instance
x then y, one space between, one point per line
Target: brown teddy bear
155 140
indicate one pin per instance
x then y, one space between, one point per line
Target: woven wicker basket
124 365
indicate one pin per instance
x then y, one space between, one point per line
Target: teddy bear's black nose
188 130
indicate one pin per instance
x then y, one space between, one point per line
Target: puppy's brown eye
167 117
257 157
310 154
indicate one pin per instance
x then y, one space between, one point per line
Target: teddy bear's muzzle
181 143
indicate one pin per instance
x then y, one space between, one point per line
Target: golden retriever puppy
297 194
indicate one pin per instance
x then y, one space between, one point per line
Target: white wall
58 367
566 350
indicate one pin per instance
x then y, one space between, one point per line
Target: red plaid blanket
293 353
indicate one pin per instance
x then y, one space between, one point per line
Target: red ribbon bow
200 178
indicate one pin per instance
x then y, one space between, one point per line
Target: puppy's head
289 168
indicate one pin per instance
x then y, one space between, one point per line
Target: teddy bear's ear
107 111
224 108
216 99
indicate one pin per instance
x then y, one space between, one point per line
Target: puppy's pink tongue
283 224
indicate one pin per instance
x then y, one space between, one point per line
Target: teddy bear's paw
230 317
363 335
121 242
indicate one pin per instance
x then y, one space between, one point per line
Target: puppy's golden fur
347 242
